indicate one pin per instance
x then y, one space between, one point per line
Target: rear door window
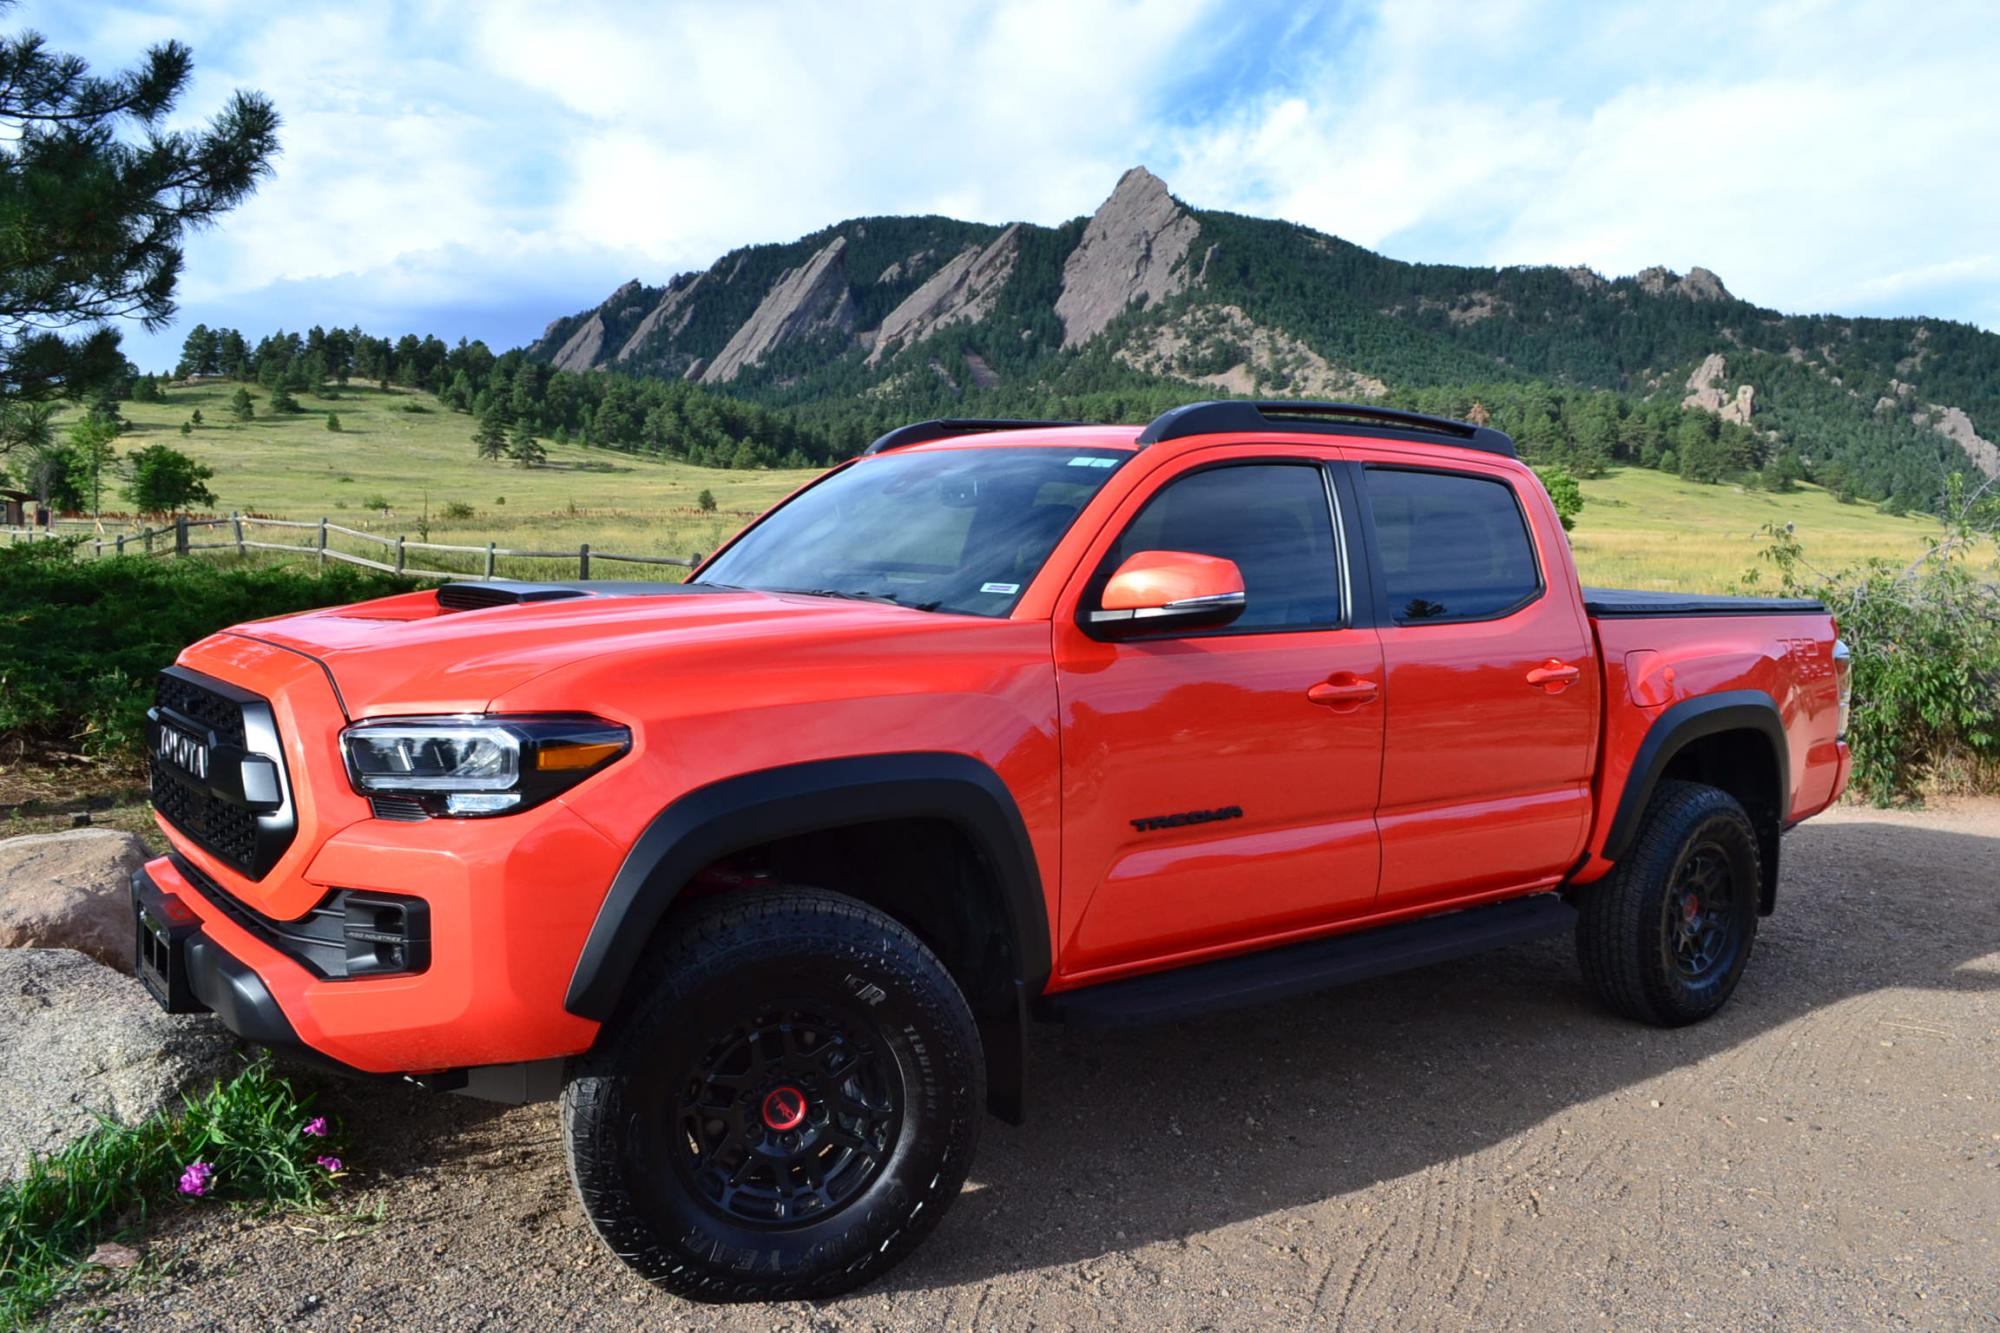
1450 546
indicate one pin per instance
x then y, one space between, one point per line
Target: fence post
147 535
399 552
489 562
181 535
121 544
237 519
583 561
322 543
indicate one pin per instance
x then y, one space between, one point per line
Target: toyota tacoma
766 875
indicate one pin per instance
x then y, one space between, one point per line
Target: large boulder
70 890
77 1038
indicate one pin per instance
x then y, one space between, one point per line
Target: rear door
1491 685
1209 801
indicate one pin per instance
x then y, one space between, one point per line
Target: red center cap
785 1108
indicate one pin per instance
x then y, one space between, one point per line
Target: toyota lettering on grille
184 752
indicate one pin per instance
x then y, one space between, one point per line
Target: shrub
333 421
380 502
457 510
1925 640
418 408
252 1138
1564 492
80 641
706 500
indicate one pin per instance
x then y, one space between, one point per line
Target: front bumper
189 973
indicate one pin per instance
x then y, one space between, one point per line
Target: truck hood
407 654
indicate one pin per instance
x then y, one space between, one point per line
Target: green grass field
1639 529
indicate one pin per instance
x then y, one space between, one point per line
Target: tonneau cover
1614 603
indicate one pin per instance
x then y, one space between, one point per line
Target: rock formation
673 312
808 299
1699 285
1706 394
1132 250
584 346
1956 426
963 291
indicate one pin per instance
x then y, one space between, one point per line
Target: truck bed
1631 604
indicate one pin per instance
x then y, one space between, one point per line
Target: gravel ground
1474 1145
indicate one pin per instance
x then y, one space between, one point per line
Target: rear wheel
788 1107
1665 936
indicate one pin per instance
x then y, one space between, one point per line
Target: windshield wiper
850 595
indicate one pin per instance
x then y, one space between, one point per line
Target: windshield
951 530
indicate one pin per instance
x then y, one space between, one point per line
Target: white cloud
442 159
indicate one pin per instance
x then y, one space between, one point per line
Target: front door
1219 786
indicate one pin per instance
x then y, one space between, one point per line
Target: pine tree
240 404
524 448
491 437
333 421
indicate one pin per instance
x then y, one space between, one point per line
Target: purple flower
330 1163
194 1179
315 1128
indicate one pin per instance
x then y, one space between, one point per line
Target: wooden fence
179 538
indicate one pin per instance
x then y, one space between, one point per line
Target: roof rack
1237 415
922 432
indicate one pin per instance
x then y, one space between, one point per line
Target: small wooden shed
17 508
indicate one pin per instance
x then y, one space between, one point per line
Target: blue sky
479 170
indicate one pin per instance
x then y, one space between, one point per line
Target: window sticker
1093 462
1001 588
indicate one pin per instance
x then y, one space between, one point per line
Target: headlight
470 766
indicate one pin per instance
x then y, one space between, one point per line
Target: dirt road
1475 1145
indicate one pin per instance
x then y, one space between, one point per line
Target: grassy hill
292 466
1640 528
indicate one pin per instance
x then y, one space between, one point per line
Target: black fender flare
1680 726
711 822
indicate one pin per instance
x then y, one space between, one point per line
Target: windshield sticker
1002 588
1093 462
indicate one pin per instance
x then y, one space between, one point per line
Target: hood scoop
480 596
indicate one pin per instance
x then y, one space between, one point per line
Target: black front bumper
189 973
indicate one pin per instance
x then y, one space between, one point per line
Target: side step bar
1300 969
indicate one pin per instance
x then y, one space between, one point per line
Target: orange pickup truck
767 874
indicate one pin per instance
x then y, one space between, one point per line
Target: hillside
1150 301
1639 528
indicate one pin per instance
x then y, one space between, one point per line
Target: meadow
403 449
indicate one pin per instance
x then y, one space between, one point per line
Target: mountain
1149 301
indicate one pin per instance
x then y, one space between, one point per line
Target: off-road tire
661 1202
1629 932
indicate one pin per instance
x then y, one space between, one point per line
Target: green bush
255 1134
1926 666
81 640
457 510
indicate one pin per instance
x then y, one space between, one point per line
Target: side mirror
1157 592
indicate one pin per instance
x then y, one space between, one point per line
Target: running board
1300 969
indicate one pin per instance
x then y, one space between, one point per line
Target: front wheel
787 1108
1666 935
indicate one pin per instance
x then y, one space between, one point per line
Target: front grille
350 933
239 734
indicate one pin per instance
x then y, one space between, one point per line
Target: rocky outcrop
1699 285
1132 252
78 1038
1956 426
961 292
584 346
1254 359
673 312
1706 394
70 890
1587 278
811 298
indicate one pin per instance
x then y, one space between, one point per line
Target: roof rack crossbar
921 432
1236 415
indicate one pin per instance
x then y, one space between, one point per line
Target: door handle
1554 675
1343 690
